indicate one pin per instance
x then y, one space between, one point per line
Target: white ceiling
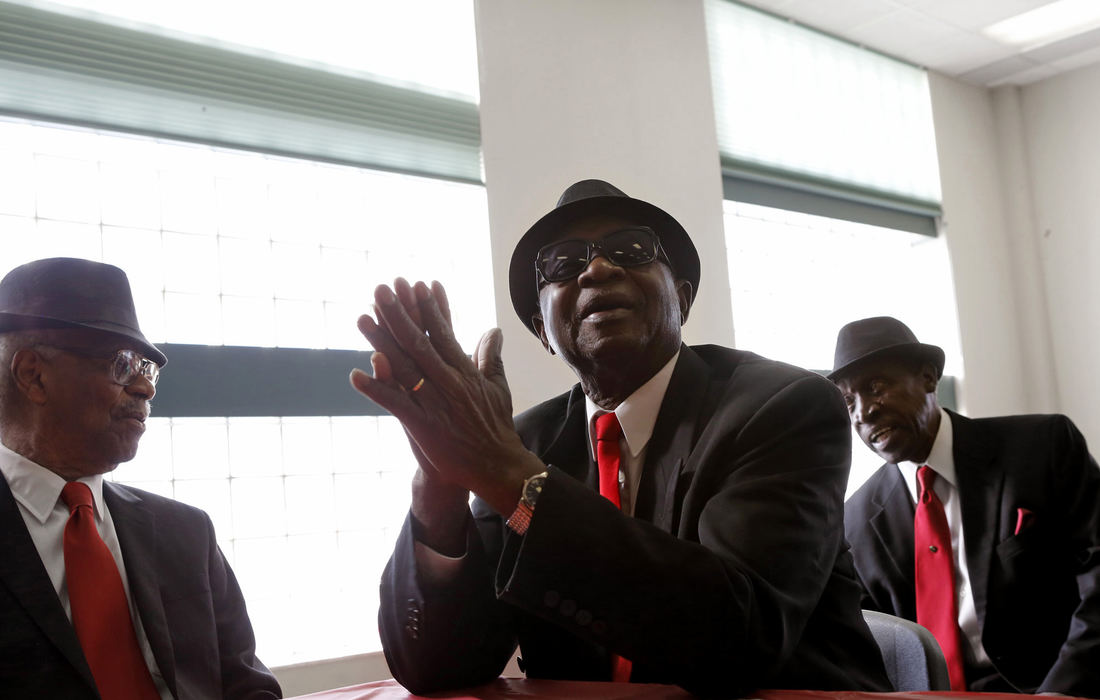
942 35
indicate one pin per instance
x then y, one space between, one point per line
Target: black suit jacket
733 574
190 604
1037 592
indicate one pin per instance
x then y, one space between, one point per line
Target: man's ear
27 368
540 331
930 376
683 292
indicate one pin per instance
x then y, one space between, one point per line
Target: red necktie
937 609
101 614
608 432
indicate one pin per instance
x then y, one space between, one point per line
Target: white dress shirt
637 415
942 460
37 491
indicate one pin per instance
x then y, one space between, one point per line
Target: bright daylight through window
797 278
236 248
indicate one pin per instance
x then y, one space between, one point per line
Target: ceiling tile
839 17
944 35
959 52
902 32
973 14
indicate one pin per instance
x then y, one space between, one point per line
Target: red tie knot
76 494
607 427
926 476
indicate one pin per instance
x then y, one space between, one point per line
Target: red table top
513 688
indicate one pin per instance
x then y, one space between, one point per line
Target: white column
612 89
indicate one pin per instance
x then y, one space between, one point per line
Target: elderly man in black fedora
986 531
674 518
106 591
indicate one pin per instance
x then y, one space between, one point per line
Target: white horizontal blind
73 69
803 110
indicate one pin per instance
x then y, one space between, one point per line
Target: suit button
599 627
413 630
583 617
567 608
551 599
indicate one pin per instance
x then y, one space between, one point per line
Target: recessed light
1046 24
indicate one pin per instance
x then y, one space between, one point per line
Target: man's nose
142 387
864 408
600 268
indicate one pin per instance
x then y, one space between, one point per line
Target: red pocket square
1024 519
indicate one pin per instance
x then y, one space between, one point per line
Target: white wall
974 224
618 90
1020 169
1061 124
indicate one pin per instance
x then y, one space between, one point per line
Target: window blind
815 124
72 69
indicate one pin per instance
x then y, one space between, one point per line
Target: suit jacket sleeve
441 637
1077 670
244 677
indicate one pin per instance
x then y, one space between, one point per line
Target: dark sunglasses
628 247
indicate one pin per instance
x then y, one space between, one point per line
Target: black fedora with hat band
877 337
587 198
72 293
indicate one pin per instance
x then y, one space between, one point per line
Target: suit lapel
136 528
892 523
688 396
569 450
22 572
980 489
674 433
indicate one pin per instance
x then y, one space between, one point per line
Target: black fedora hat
585 198
72 293
880 336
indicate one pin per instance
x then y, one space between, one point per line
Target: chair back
914 660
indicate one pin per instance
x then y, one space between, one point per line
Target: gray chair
913 657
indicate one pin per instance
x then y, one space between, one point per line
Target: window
232 248
797 278
811 123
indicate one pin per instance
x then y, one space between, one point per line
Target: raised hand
458 411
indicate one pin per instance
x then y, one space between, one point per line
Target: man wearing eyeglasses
674 518
106 591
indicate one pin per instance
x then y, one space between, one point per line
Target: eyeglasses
628 247
126 365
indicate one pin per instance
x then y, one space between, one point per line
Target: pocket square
1024 519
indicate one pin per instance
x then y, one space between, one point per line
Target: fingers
380 364
389 396
441 300
407 297
438 325
418 347
489 358
398 366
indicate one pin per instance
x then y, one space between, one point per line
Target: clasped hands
456 410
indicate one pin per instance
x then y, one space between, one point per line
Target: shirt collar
941 458
638 413
38 488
